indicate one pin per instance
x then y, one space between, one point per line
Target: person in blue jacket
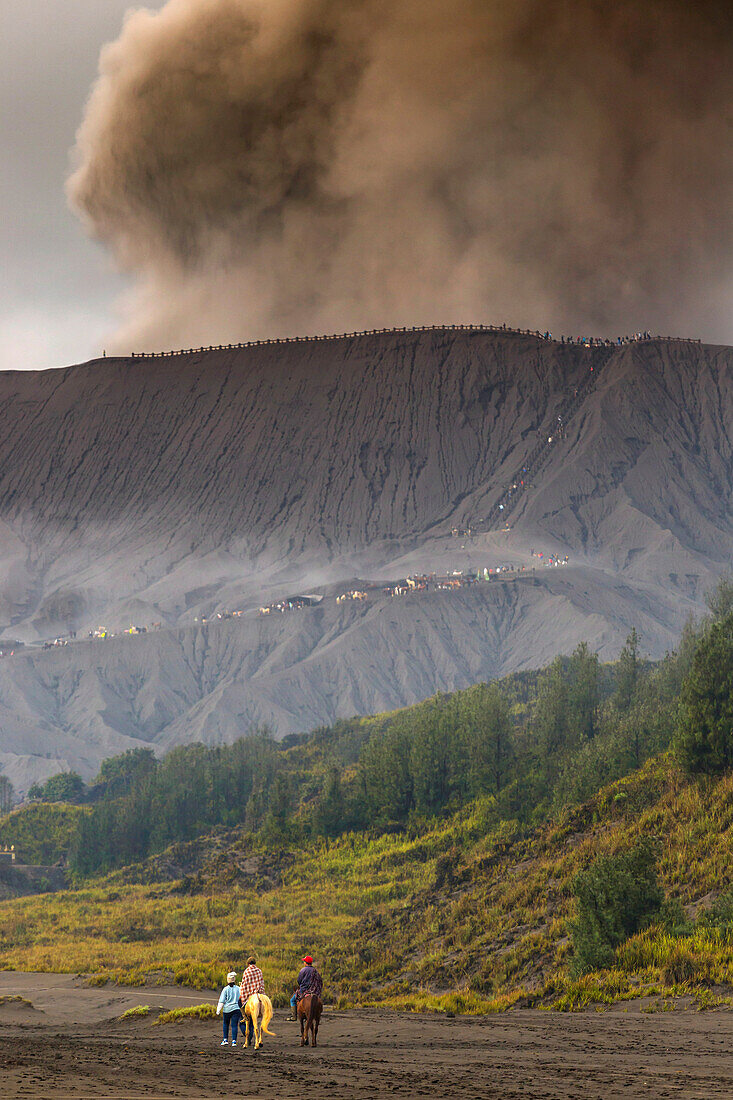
229 1005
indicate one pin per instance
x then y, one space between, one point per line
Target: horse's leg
258 1027
301 1017
316 1018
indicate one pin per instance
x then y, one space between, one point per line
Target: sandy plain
72 1044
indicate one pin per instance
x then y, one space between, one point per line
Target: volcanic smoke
263 167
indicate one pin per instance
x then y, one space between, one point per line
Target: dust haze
267 167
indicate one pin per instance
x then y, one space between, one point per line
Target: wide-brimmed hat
307 960
232 976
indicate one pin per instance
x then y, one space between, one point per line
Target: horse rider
253 981
309 981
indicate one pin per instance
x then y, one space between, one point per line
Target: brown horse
310 1008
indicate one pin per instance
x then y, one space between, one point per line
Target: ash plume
264 167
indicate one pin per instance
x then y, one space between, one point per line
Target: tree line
529 744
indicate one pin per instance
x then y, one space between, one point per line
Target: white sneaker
234 1042
224 1043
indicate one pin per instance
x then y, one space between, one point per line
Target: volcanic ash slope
165 489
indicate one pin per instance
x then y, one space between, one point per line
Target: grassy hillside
428 858
41 832
463 913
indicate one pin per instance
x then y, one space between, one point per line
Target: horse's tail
266 1004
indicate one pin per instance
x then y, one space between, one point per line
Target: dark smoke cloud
273 166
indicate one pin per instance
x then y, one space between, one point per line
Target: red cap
307 960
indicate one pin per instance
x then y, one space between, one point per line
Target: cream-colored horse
257 1003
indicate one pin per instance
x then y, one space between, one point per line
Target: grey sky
57 290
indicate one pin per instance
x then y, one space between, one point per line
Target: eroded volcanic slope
163 489
119 472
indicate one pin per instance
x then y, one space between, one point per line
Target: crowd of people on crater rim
290 603
100 633
459 578
585 341
424 582
419 582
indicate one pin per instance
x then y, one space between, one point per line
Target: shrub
614 894
587 990
195 1012
680 967
445 869
137 1010
720 914
671 917
704 1000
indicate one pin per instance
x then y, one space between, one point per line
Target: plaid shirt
252 982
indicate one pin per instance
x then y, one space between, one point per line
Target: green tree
432 735
255 810
582 771
720 599
190 790
385 775
681 662
628 673
553 712
614 895
647 727
120 773
64 787
704 733
279 806
7 794
489 739
90 848
328 817
583 692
